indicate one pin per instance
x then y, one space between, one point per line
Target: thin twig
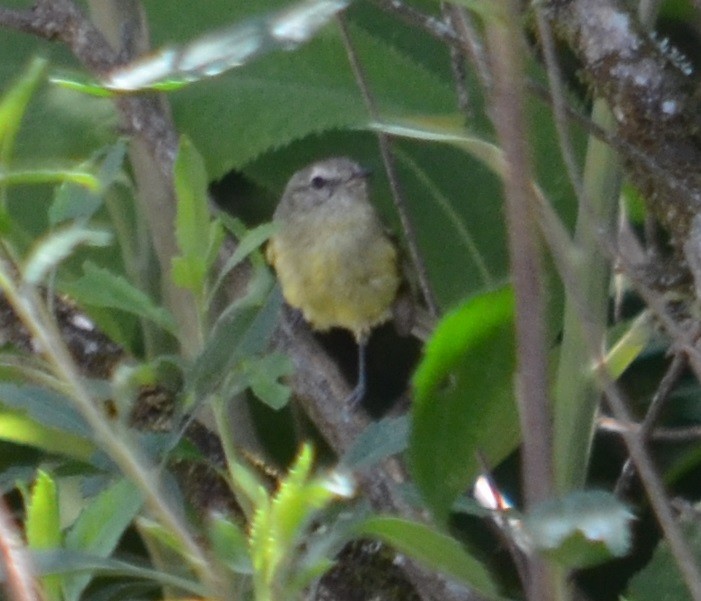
434 26
390 168
468 41
457 65
645 431
672 434
526 266
684 558
557 94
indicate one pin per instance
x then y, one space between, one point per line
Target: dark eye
319 182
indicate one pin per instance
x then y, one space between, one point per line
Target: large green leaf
463 399
434 549
288 96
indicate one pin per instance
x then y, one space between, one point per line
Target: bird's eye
318 182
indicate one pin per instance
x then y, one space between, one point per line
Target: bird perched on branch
332 256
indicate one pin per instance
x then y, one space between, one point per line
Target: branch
321 391
61 20
651 98
505 49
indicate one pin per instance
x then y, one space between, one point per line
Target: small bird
332 256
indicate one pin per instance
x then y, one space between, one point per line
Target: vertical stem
123 23
576 392
506 49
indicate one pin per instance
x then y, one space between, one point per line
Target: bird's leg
356 397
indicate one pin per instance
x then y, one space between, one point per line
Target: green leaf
262 375
629 346
103 521
43 526
435 550
73 202
99 528
43 522
298 497
384 438
77 82
17 427
101 288
463 399
65 562
447 131
250 241
240 332
286 97
660 579
161 535
305 575
192 225
277 527
45 407
79 202
230 544
48 253
39 175
582 529
14 103
233 46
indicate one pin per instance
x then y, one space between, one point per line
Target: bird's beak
363 172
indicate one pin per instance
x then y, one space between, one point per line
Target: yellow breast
341 274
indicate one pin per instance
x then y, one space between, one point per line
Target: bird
333 258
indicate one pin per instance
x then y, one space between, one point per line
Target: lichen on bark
653 98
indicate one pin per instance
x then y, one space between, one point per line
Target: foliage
77 240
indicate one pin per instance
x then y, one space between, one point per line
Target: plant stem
576 392
506 49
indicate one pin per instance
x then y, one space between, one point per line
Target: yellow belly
340 280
